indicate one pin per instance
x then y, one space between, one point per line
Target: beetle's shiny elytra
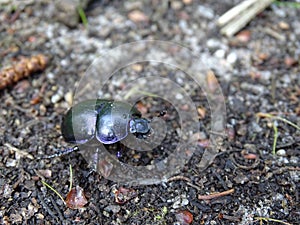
106 120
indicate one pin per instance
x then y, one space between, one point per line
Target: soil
259 74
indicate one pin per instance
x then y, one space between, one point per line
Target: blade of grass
268 115
71 178
287 121
275 138
295 5
52 189
82 16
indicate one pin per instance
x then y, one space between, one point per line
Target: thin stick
238 23
20 152
275 138
271 219
216 195
179 178
235 11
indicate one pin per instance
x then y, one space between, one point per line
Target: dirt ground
259 75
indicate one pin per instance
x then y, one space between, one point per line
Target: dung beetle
107 121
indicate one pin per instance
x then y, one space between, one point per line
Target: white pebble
232 58
179 96
281 152
220 53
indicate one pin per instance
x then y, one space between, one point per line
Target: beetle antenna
64 152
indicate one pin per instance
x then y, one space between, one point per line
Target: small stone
254 88
241 179
289 61
15 218
213 43
11 162
206 12
232 58
7 191
187 2
40 216
250 147
46 173
294 160
295 175
242 130
180 201
137 67
184 202
113 208
50 76
278 197
104 32
131 5
263 56
57 97
255 127
43 110
281 152
179 96
138 16
69 98
283 25
176 5
220 53
244 36
105 213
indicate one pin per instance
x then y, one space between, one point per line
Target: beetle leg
119 152
64 152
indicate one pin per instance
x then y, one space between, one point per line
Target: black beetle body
106 120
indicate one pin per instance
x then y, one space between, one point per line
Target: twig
273 33
216 195
194 186
232 218
270 219
255 163
240 15
179 178
20 152
235 11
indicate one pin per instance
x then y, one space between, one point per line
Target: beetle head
139 126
